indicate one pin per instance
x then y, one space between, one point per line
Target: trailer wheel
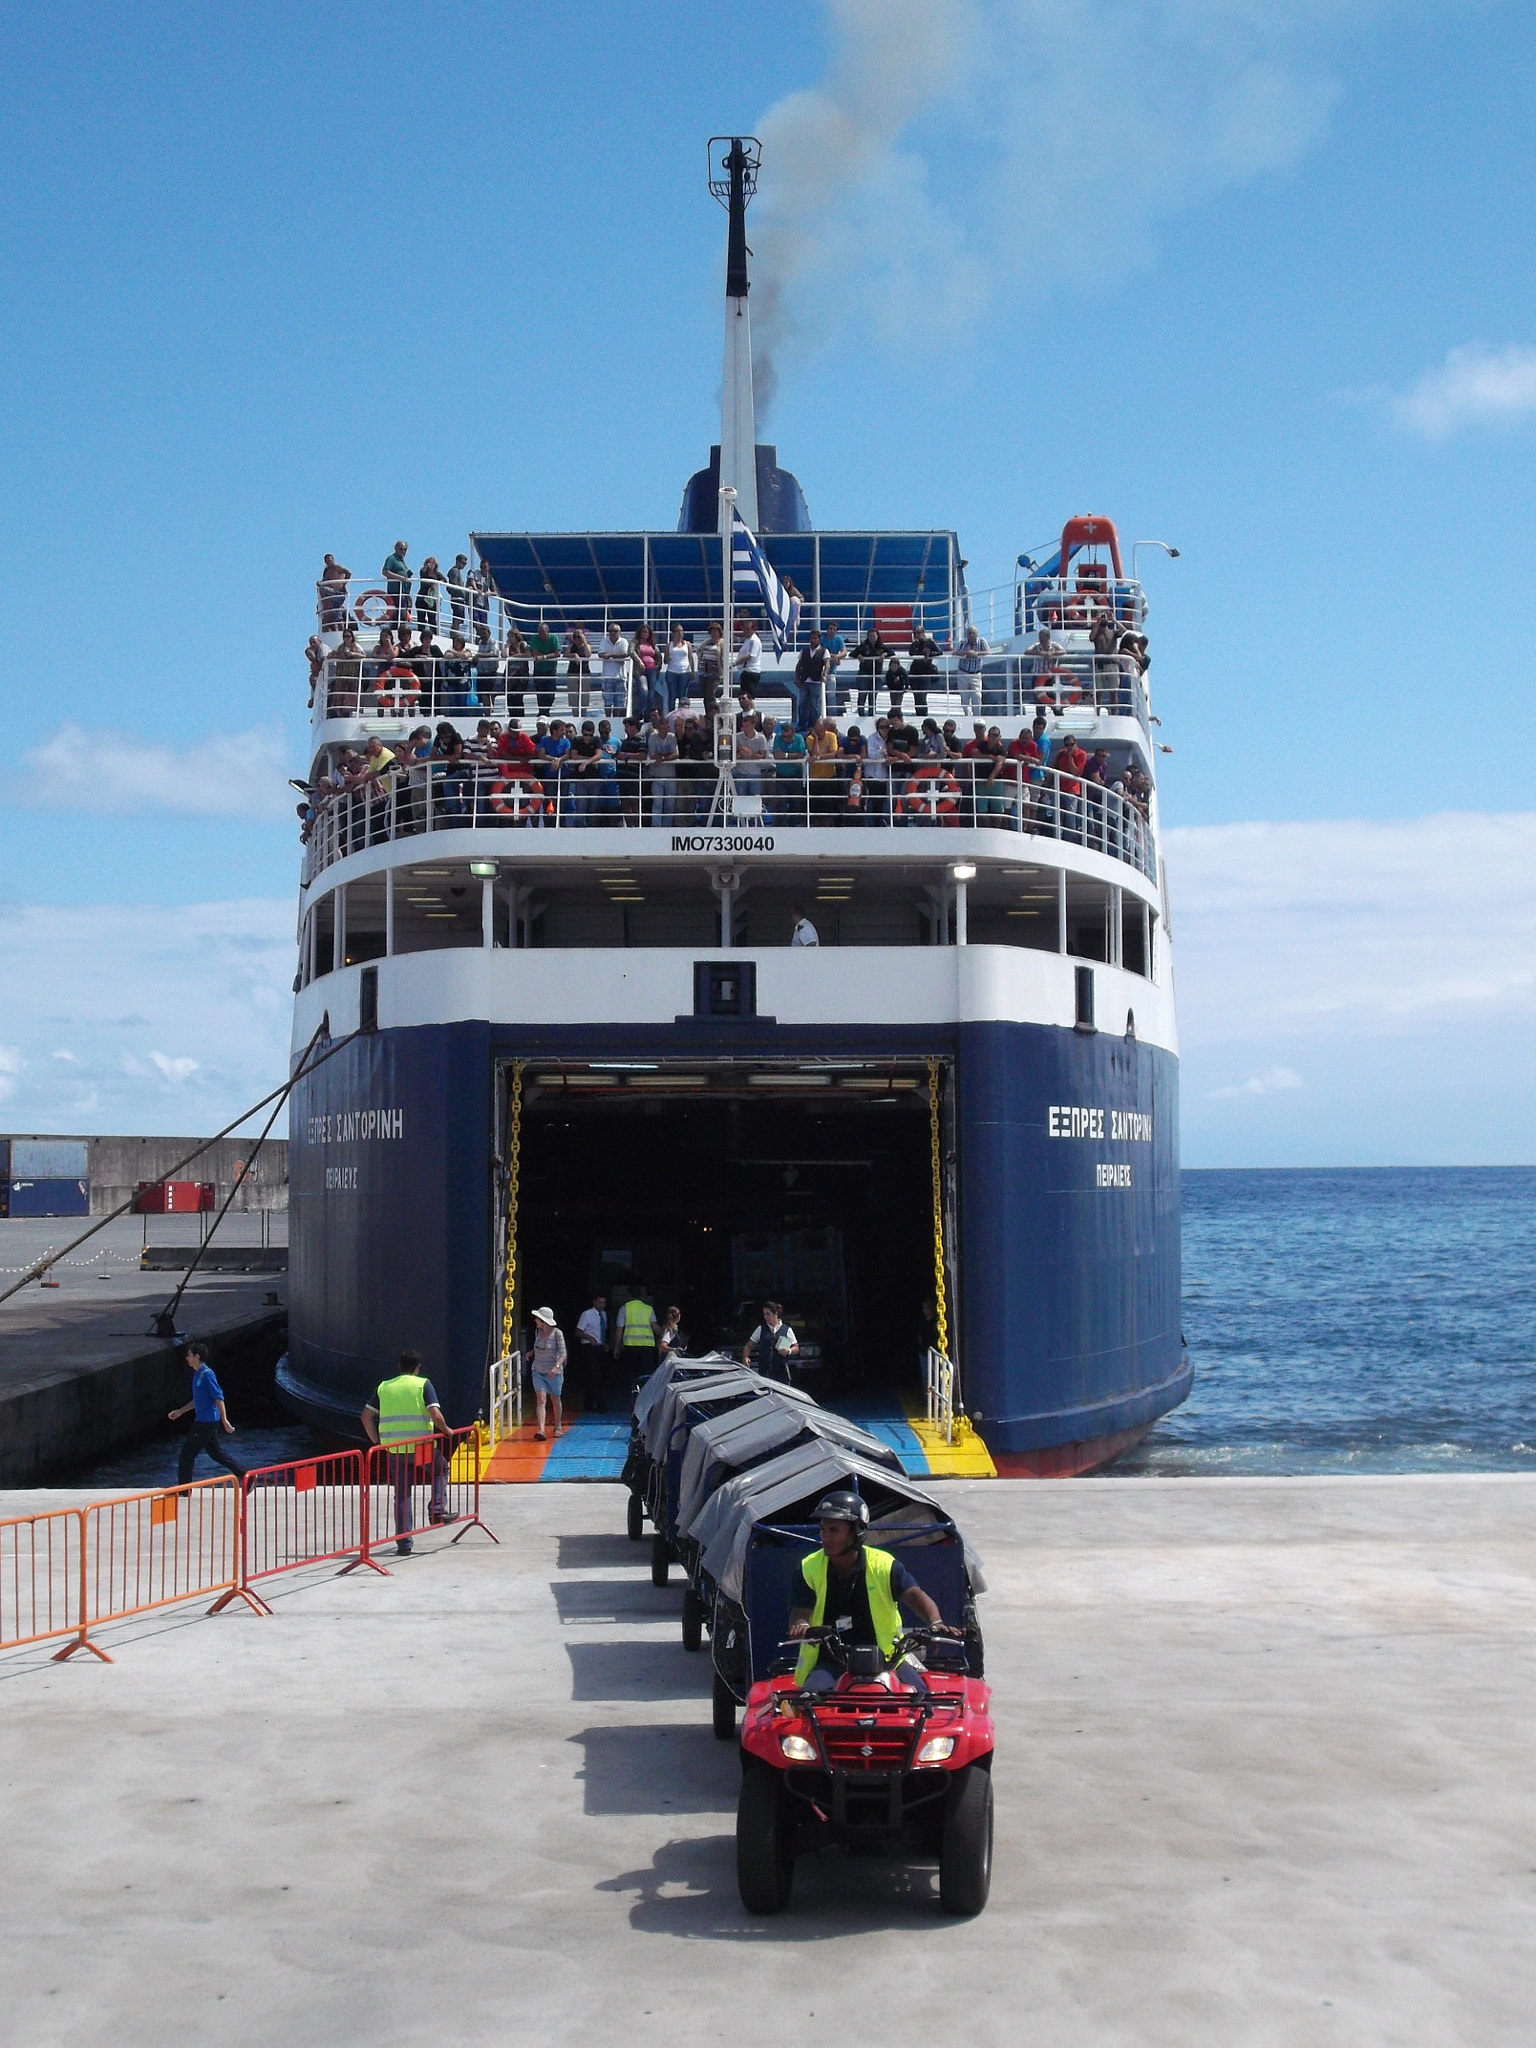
723 1705
661 1559
693 1619
765 1848
635 1519
965 1854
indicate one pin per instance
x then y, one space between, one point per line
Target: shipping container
49 1159
50 1198
173 1197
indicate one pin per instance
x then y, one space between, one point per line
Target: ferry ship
581 1052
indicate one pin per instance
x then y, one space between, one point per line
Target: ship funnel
734 161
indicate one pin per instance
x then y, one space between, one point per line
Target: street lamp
963 871
1171 552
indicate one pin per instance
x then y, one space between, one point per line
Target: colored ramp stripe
966 1458
593 1447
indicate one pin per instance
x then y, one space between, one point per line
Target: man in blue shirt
209 1416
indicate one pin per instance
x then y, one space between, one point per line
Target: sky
1256 282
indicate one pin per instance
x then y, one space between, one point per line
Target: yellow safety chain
514 1161
941 1318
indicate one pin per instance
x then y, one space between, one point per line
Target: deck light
484 870
963 871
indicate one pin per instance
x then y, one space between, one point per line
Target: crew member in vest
635 1331
403 1412
851 1586
772 1345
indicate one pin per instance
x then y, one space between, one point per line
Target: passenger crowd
650 758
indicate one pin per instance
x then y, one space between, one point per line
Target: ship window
363 914
437 907
1014 906
1133 934
1088 907
628 907
323 949
860 912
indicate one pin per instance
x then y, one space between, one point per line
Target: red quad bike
876 1765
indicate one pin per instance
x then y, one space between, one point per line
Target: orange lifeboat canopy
1091 530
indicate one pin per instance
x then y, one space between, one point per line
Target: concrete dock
1264 1775
80 1375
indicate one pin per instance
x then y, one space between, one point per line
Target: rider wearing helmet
850 1585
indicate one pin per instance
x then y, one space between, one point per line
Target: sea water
1378 1320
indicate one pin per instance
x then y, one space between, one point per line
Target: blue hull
1067 1245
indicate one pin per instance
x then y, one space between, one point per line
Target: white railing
439 795
506 1399
939 1392
365 689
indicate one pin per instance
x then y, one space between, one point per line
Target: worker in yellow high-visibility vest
402 1414
635 1331
851 1586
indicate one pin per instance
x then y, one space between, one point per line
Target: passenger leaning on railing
332 591
661 752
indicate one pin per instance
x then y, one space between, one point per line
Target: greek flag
751 569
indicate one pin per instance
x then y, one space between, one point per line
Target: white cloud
1476 386
63 1053
213 981
240 775
173 1070
939 165
1390 962
1273 1081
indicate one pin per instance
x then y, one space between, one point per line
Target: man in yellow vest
635 1331
851 1586
403 1412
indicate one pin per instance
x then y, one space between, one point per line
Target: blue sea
1379 1320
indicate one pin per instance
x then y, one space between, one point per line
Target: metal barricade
410 1489
304 1512
148 1550
41 1582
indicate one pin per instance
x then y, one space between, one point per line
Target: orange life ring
504 785
367 597
399 682
920 802
1045 695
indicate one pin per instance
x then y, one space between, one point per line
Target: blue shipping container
49 1159
50 1198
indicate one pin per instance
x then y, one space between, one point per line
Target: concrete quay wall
117 1165
1263 1777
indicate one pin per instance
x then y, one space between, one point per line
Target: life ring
400 682
923 802
505 786
1072 694
368 598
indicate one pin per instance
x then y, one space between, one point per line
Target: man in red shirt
1069 761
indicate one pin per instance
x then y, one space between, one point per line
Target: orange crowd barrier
147 1550
41 1585
302 1512
69 1570
431 1483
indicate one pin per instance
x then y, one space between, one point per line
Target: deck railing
364 690
434 797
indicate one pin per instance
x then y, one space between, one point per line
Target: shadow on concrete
582 1552
657 1769
615 1600
637 1671
689 1891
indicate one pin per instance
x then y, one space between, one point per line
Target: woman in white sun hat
547 1362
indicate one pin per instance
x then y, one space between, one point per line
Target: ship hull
1062 1208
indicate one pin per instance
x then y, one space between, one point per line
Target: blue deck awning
582 575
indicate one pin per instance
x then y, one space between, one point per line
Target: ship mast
733 166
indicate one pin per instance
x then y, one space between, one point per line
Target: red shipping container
173 1197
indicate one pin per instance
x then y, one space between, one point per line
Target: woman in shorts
547 1363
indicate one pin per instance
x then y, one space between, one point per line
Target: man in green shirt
545 649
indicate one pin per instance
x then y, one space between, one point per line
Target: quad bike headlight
799 1751
937 1749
